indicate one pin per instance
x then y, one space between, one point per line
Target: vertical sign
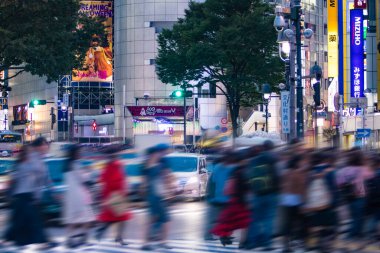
285 110
357 53
332 43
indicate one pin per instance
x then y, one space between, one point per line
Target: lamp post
289 34
266 90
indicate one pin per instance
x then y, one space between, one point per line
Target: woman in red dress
236 215
113 181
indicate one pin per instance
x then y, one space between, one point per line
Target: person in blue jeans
264 182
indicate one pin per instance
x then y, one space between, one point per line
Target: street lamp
289 34
266 90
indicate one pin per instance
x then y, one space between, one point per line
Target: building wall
137 24
26 87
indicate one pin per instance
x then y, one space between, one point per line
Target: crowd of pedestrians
294 193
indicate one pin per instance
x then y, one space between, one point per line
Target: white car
190 171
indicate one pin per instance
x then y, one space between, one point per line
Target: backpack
373 191
318 196
263 177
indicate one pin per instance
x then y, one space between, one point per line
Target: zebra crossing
177 246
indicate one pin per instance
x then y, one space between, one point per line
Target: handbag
117 203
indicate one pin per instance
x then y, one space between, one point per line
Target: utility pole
296 17
184 114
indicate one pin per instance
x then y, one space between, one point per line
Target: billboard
97 65
157 111
357 53
20 114
332 43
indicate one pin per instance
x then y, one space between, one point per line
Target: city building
92 107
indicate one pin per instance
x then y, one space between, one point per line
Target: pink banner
156 111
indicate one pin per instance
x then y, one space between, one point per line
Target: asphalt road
185 235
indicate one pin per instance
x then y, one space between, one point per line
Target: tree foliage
227 43
46 37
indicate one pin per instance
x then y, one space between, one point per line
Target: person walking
293 191
30 180
160 189
236 214
321 199
216 197
264 183
351 181
113 197
373 201
77 210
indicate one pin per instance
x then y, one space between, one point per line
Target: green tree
227 43
44 37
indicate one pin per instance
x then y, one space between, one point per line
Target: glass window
10 138
182 164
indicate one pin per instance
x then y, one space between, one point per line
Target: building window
150 62
160 25
212 90
205 93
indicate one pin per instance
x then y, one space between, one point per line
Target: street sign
285 112
224 121
363 133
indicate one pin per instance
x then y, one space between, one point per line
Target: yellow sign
332 39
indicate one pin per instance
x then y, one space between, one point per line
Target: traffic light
316 71
317 93
94 125
36 102
181 94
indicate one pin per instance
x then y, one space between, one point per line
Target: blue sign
357 53
363 133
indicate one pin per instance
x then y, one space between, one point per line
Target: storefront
165 120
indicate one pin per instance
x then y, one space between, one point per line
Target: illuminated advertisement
97 65
20 114
332 45
357 53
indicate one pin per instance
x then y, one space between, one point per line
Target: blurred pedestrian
351 181
30 180
160 189
77 210
235 214
264 182
113 197
373 200
321 199
216 197
292 198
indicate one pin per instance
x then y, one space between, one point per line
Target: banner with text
157 111
332 43
285 112
357 53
